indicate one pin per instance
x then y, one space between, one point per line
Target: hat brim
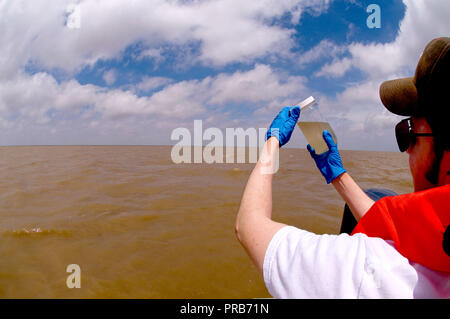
400 96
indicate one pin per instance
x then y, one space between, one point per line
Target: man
400 246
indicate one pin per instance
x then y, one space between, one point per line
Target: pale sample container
313 123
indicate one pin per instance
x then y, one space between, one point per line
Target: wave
24 232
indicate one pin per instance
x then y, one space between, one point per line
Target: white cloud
325 49
39 97
359 95
316 7
221 31
155 54
153 82
110 77
423 21
224 32
357 112
227 30
259 84
335 69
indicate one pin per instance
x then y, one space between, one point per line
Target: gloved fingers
284 113
294 115
311 151
328 139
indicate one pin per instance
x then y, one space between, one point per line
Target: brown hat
427 92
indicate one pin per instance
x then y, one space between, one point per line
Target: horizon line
56 145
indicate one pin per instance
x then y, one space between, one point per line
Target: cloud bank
241 42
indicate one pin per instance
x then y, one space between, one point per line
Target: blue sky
131 74
343 22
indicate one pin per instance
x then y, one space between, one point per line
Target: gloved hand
283 125
329 163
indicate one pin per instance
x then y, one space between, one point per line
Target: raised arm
330 165
254 226
353 195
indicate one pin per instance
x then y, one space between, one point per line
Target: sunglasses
405 135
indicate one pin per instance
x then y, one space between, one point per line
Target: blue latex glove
329 163
283 125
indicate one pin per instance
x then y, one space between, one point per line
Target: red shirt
416 223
